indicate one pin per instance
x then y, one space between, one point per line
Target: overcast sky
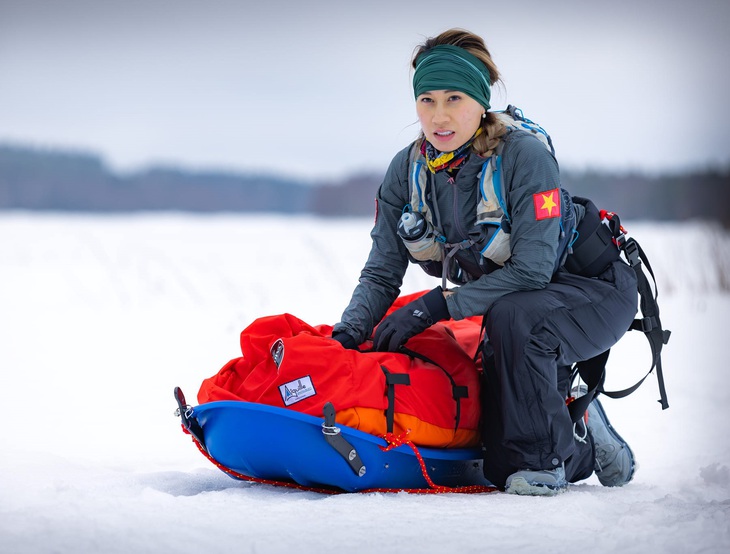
322 88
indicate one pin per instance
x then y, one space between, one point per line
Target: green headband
447 67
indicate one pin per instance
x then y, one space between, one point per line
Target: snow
102 316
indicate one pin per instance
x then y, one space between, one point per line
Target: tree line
37 179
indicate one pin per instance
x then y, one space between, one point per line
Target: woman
539 318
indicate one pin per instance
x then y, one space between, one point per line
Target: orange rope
393 442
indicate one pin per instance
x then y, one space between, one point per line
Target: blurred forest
41 179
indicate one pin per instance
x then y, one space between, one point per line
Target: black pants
532 339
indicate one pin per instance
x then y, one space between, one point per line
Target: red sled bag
290 364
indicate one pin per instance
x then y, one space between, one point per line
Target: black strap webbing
391 380
593 373
334 438
188 418
649 324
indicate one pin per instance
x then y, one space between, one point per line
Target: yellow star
548 203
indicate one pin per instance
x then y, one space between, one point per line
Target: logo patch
296 390
277 352
547 204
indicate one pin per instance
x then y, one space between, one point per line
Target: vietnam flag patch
547 204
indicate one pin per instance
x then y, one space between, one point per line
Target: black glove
345 340
413 318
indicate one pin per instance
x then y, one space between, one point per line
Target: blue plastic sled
272 443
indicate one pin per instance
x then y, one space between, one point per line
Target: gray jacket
528 169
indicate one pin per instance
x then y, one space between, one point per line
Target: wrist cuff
345 340
436 304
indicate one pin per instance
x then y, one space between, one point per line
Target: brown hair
493 129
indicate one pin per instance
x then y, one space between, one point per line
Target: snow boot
614 461
546 482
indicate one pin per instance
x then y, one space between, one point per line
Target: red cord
399 440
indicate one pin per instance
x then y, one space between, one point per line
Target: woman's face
449 118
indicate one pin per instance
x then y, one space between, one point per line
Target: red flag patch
547 204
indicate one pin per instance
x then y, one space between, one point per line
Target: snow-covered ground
101 316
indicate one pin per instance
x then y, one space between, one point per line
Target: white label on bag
294 391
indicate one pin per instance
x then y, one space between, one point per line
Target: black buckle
631 248
646 323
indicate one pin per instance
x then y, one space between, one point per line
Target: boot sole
520 486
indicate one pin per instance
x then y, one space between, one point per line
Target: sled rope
393 442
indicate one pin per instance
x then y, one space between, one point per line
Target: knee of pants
507 318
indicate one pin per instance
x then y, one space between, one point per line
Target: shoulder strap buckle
631 248
645 324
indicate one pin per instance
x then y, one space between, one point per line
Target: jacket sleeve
382 276
529 169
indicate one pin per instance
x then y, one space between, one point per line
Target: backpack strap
593 252
649 324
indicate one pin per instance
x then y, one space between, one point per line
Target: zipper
457 216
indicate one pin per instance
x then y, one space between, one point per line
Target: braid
493 130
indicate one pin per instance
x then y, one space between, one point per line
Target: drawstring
578 437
